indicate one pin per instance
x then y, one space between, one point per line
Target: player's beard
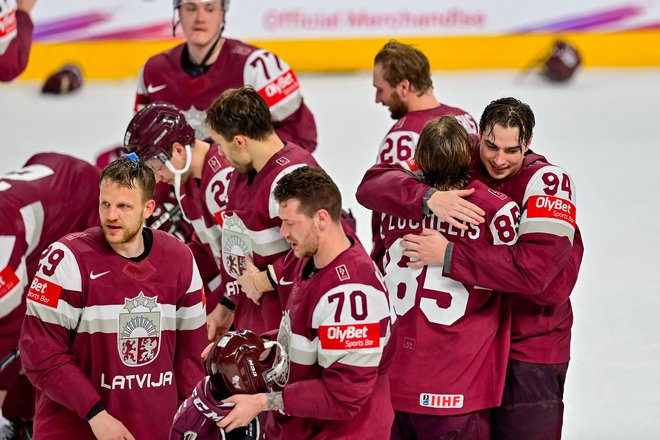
397 107
128 233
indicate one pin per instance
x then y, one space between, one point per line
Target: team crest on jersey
74 235
342 272
236 245
139 330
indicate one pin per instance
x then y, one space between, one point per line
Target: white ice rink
603 128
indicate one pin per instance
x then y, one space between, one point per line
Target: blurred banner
301 30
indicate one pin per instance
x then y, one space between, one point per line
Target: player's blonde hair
403 61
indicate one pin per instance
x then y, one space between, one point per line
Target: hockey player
160 135
336 327
52 195
115 321
402 78
15 37
543 264
193 74
241 125
458 334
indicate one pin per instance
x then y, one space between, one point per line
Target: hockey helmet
154 129
234 367
66 79
562 62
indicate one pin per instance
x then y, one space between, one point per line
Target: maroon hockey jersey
52 195
543 264
337 331
163 79
456 333
203 201
400 144
100 327
251 227
15 41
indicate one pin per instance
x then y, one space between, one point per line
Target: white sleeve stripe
192 322
64 315
364 358
548 226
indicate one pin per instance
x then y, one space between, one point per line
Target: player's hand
247 281
106 427
248 406
451 207
426 249
219 321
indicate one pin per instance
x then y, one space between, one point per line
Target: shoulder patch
44 292
497 194
342 273
283 161
214 163
73 236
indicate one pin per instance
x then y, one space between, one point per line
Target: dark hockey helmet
234 367
154 129
562 62
66 79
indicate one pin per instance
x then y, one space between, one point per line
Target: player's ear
322 218
149 209
179 150
240 140
404 87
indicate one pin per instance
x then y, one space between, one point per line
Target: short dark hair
403 61
240 111
313 188
131 174
509 112
443 153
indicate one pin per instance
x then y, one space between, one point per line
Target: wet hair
313 188
240 111
509 112
402 61
131 174
443 153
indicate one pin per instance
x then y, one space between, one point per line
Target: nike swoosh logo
94 276
154 89
284 283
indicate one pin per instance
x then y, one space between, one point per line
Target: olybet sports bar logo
236 245
139 330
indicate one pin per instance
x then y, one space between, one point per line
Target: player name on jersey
432 222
